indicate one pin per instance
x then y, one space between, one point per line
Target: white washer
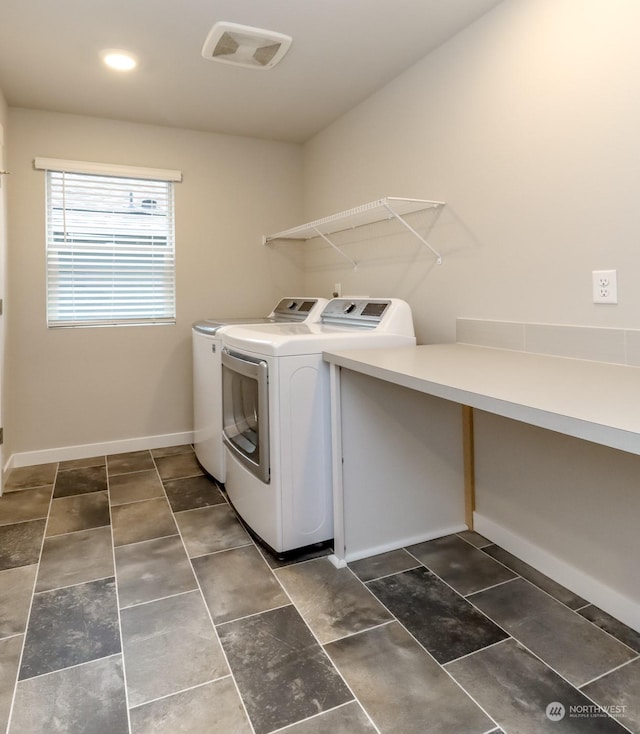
276 415
207 375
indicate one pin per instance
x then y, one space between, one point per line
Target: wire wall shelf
375 211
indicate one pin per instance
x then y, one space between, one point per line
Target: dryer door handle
242 365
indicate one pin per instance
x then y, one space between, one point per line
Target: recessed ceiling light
119 60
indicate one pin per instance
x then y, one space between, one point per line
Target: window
110 245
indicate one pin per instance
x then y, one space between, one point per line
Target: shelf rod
336 248
385 204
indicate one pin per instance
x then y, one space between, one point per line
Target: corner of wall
3 247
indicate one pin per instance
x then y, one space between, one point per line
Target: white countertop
595 401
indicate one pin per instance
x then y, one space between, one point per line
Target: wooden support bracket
469 468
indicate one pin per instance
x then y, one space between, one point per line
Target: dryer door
245 411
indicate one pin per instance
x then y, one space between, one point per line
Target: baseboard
588 587
376 550
85 451
8 466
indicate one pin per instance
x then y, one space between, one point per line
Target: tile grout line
113 546
601 706
482 649
473 545
288 727
9 637
150 601
576 611
484 588
221 550
519 575
378 626
538 588
136 502
462 596
254 614
71 586
225 503
48 673
498 726
73 532
584 606
182 690
429 654
160 598
544 662
206 606
118 610
28 619
509 636
146 540
613 670
385 575
315 637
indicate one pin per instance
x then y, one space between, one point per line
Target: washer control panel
294 309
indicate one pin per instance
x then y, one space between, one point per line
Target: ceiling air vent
243 45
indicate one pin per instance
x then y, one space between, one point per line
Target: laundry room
514 125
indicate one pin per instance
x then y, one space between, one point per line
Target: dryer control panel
388 315
365 313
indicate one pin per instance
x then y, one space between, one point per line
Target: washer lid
212 326
291 308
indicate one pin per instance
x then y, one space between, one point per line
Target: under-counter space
403 457
595 401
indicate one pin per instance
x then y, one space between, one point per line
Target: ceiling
342 52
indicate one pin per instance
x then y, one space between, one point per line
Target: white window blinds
110 249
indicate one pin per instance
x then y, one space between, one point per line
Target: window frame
117 275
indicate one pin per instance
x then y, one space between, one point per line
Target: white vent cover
243 45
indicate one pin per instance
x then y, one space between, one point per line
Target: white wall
3 265
83 386
568 507
526 124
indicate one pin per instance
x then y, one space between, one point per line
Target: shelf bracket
395 215
335 247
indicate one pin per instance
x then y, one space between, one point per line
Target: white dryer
276 415
207 374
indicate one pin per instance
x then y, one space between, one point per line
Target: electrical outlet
605 286
337 290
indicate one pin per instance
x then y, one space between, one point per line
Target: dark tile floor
132 600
